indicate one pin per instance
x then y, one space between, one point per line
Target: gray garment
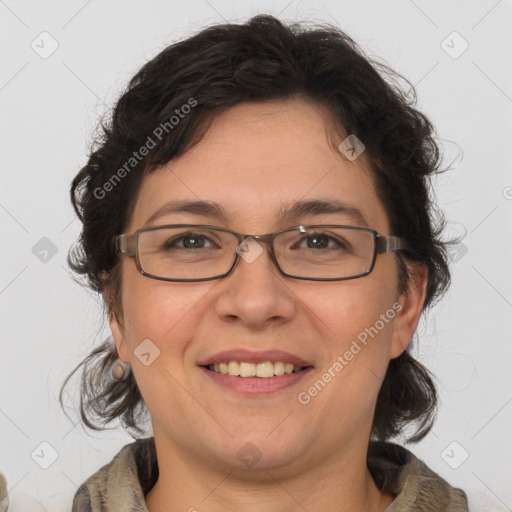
120 486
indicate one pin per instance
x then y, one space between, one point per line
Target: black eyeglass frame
128 244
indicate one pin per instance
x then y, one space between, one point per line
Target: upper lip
248 356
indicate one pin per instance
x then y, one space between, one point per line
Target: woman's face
255 160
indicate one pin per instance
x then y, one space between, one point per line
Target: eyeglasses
188 252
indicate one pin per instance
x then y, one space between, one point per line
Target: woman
257 217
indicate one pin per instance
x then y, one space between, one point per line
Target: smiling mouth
264 370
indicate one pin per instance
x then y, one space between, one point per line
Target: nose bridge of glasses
250 247
267 239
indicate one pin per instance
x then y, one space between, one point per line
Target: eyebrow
287 213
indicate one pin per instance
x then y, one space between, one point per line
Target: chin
256 450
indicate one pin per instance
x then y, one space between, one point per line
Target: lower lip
256 385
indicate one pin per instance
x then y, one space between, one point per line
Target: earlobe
411 301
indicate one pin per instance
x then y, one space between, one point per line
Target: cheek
159 319
150 307
355 306
359 315
166 313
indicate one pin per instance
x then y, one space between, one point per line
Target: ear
115 323
119 338
411 302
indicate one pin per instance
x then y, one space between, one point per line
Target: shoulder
122 483
416 487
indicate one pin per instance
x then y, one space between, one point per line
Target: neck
186 483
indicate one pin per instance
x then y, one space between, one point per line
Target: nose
255 293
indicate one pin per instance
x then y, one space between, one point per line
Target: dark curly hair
225 65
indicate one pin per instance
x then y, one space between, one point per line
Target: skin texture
254 158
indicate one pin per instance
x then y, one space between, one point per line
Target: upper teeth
265 370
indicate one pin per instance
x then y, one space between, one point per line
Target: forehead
256 161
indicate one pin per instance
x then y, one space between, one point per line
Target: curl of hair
264 59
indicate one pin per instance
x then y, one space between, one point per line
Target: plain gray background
50 105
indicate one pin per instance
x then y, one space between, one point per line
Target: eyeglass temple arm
125 244
390 243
